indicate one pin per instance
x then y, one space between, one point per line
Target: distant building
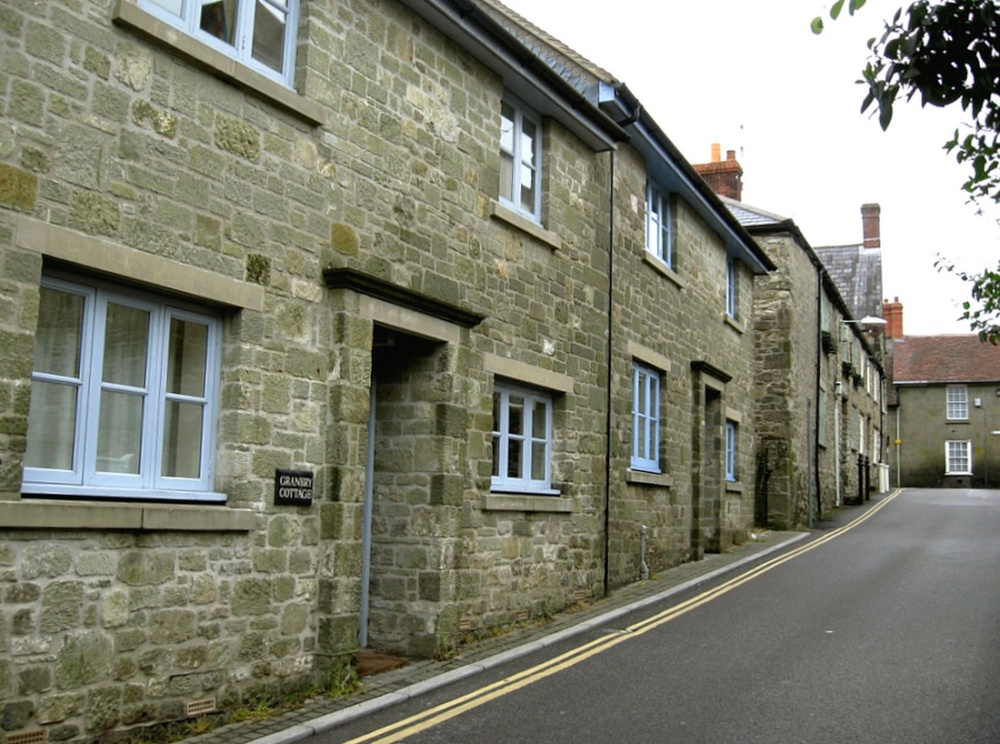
945 414
819 378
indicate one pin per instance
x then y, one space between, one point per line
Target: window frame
521 114
659 229
950 459
732 288
502 437
821 419
646 422
957 406
84 479
241 50
731 451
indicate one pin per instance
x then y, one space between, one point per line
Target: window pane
528 143
59 334
119 433
506 128
269 23
51 426
187 357
515 447
182 440
515 421
126 338
538 461
218 18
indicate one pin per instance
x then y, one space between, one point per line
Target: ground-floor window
959 457
645 418
522 439
124 394
731 445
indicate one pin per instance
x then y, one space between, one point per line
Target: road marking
400 730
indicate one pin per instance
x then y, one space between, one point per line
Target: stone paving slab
420 676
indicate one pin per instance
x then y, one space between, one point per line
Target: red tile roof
943 359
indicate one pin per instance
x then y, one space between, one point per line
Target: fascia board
519 74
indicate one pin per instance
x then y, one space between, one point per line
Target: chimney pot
716 152
730 154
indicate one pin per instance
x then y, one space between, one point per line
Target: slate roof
573 67
857 272
932 360
752 216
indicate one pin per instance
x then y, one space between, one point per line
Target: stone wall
348 235
670 320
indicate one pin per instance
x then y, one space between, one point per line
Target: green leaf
836 8
816 25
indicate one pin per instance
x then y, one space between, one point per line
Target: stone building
330 325
820 381
945 416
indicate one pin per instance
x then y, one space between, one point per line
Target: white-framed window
732 287
520 160
732 438
957 399
862 439
645 418
853 428
260 34
958 456
124 395
659 224
522 439
876 445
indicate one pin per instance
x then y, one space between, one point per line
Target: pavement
420 676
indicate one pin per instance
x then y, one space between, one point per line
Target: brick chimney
870 224
893 314
724 177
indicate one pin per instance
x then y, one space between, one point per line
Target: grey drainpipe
607 428
819 376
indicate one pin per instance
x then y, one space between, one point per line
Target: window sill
956 422
526 502
80 515
734 487
734 324
644 478
508 215
661 268
128 14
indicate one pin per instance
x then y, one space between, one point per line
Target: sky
753 77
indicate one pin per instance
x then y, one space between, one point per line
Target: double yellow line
399 731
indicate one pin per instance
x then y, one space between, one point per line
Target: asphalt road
886 630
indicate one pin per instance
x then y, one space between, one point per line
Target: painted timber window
959 457
645 418
123 395
659 227
732 432
821 419
260 34
520 160
522 440
732 287
957 399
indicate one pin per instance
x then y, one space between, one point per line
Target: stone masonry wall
669 319
131 159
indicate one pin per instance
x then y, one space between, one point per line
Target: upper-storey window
258 33
123 395
520 160
957 402
732 440
659 232
732 287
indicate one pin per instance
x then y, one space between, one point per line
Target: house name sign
293 487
